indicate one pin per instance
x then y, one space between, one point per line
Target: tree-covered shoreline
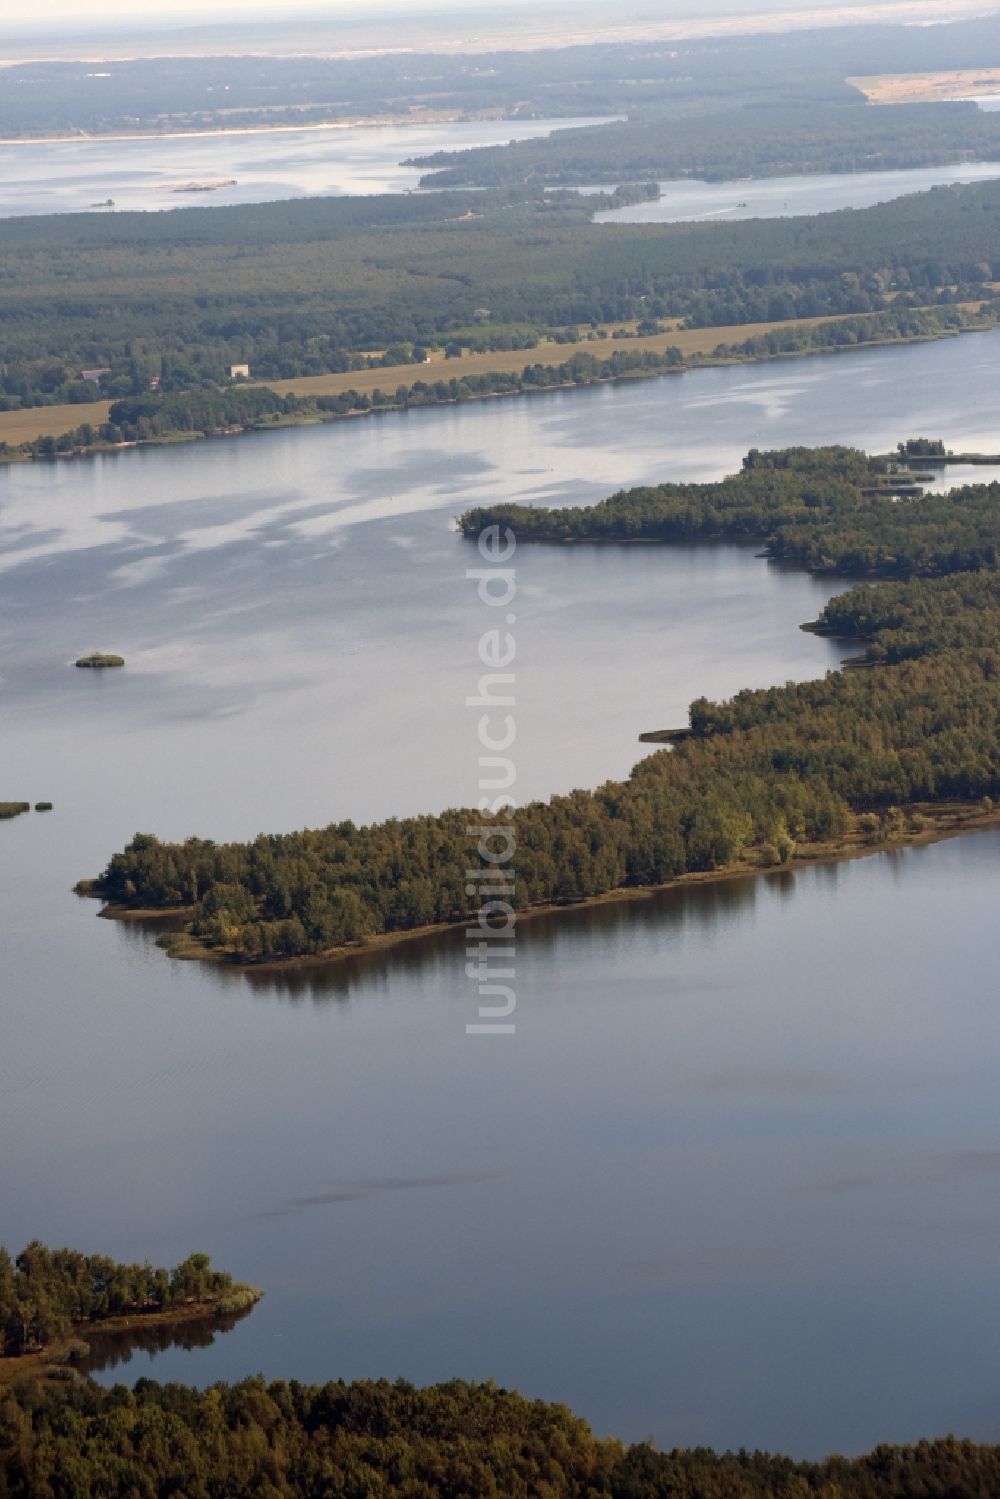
46 1293
829 510
764 141
231 411
380 1440
318 286
760 781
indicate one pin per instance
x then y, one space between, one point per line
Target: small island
203 187
48 1295
100 661
13 809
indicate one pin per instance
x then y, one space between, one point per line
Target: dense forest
374 1440
831 510
752 142
44 1293
307 287
44 97
904 621
758 782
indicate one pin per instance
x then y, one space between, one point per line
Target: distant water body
38 177
173 171
788 197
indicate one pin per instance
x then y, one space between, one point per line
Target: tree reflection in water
109 1349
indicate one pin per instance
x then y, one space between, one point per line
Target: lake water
69 176
787 197
734 1179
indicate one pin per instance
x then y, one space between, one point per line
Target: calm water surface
734 1181
68 176
788 197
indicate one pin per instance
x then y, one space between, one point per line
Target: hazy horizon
187 13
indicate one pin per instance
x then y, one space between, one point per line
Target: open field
49 421
928 88
41 421
689 341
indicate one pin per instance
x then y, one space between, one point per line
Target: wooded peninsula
48 1294
907 746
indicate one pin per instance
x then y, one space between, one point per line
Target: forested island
906 748
10 810
48 1294
99 661
376 1438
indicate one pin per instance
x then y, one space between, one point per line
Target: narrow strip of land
516 361
52 421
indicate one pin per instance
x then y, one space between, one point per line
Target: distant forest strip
215 411
779 141
372 1438
312 287
45 1293
149 95
772 776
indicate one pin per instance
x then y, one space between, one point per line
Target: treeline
211 410
191 92
788 140
904 621
800 765
901 322
830 510
308 287
374 1438
44 1293
43 97
170 92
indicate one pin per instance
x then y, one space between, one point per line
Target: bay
732 1180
